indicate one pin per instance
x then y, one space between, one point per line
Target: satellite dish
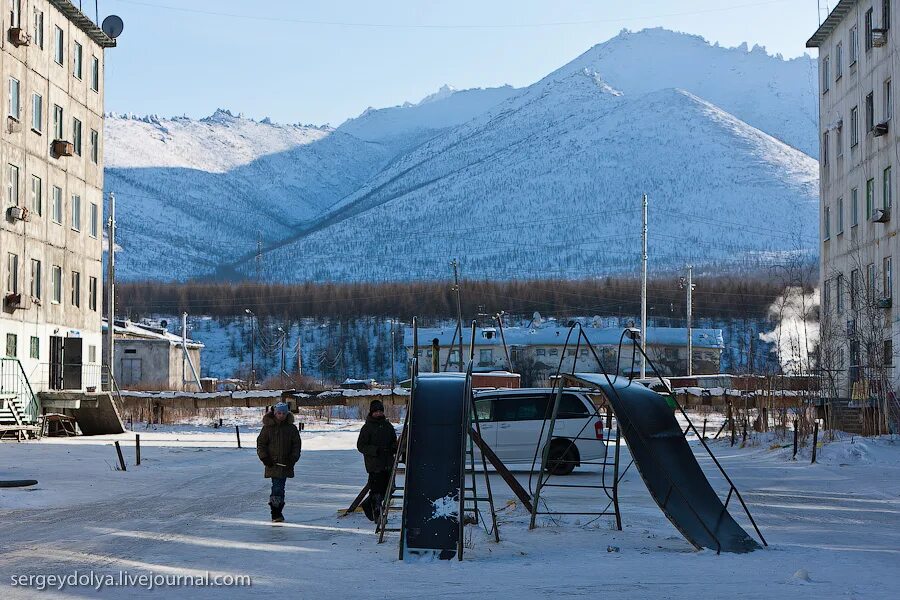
112 26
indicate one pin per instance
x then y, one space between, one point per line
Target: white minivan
511 422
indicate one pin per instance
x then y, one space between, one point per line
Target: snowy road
199 506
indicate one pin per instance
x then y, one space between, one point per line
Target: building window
77 55
35 278
870 282
37 195
15 14
826 296
92 304
888 353
34 350
76 289
92 353
56 284
839 293
827 227
838 61
37 113
486 356
56 212
826 74
554 352
12 273
76 135
825 149
95 73
95 219
839 140
887 278
870 111
95 146
854 44
38 35
15 108
887 198
854 126
58 133
888 101
541 352
854 207
885 14
870 198
12 184
854 289
59 46
12 343
839 221
867 42
76 212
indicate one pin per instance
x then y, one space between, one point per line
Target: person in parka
378 444
278 447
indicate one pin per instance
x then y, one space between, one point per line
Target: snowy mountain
515 182
549 183
193 194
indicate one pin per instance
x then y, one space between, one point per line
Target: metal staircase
19 407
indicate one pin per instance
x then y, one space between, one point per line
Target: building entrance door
72 353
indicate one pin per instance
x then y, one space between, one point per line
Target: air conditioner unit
881 215
63 148
880 129
17 213
19 37
17 301
13 125
879 37
885 302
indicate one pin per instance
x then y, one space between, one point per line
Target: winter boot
276 503
377 505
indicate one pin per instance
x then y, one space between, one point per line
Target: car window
521 408
485 409
571 407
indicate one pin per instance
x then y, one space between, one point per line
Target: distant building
857 46
149 357
536 352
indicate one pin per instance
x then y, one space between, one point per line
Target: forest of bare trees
728 297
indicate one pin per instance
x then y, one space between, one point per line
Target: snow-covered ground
197 504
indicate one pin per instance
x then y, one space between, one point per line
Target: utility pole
111 288
299 351
455 264
690 310
185 357
393 379
283 355
252 347
258 257
643 287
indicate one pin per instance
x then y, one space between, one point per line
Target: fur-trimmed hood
269 419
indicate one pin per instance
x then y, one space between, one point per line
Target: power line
372 25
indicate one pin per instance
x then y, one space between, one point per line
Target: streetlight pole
252 347
283 341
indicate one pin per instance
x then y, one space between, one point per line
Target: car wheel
562 458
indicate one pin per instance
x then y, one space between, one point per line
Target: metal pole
455 264
643 288
503 339
111 287
393 362
690 310
252 346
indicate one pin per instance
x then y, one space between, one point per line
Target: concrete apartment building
859 166
51 164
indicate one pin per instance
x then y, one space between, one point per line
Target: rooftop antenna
112 25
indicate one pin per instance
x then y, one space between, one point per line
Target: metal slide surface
669 468
434 466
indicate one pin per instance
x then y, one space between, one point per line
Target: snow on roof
129 329
556 336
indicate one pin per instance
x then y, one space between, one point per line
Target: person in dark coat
378 444
278 447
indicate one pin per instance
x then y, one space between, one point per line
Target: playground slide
434 467
669 468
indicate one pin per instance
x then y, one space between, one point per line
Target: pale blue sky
321 62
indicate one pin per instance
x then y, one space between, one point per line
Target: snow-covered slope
549 182
193 194
405 126
775 95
